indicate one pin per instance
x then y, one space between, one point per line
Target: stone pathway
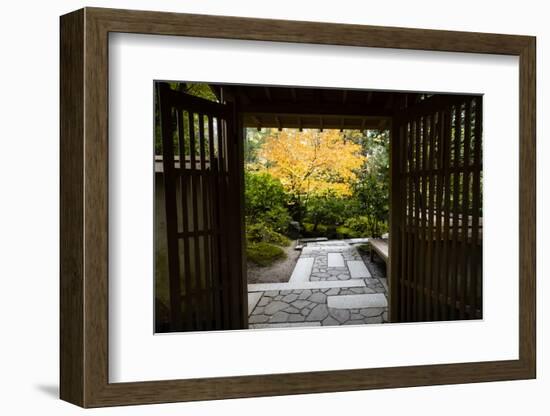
330 285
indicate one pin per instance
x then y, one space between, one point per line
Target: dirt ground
278 272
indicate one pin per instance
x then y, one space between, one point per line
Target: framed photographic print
255 207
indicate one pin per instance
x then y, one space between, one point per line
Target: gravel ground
377 267
278 272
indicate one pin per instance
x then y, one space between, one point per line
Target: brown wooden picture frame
84 207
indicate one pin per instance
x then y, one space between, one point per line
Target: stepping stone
374 320
335 260
357 269
299 304
318 313
279 317
296 318
341 315
354 322
318 297
285 325
302 270
376 300
370 312
275 306
257 319
329 321
290 298
324 284
253 299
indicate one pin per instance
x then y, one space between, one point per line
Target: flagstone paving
330 286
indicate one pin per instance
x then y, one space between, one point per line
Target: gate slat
455 189
438 249
171 211
205 278
476 201
403 218
410 234
188 304
224 227
215 238
466 252
430 224
194 207
446 212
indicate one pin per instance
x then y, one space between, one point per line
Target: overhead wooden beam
293 122
267 93
389 102
241 93
278 121
257 122
293 93
369 97
316 108
344 96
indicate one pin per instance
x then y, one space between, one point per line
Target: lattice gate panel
201 180
440 222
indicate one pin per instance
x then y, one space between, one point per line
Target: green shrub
276 218
260 232
309 230
328 209
359 225
265 201
346 232
264 254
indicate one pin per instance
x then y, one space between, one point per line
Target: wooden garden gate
436 230
201 181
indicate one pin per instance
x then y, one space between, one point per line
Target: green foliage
372 189
259 232
309 230
200 90
366 226
328 209
265 201
346 232
264 254
255 140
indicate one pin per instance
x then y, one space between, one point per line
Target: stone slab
302 270
335 260
310 249
253 299
357 269
357 240
322 284
374 300
384 282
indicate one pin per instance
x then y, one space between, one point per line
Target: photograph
281 206
272 204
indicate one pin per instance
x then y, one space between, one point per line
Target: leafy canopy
312 162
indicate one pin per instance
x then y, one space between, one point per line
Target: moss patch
264 254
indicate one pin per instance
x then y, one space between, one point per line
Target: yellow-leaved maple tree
312 162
